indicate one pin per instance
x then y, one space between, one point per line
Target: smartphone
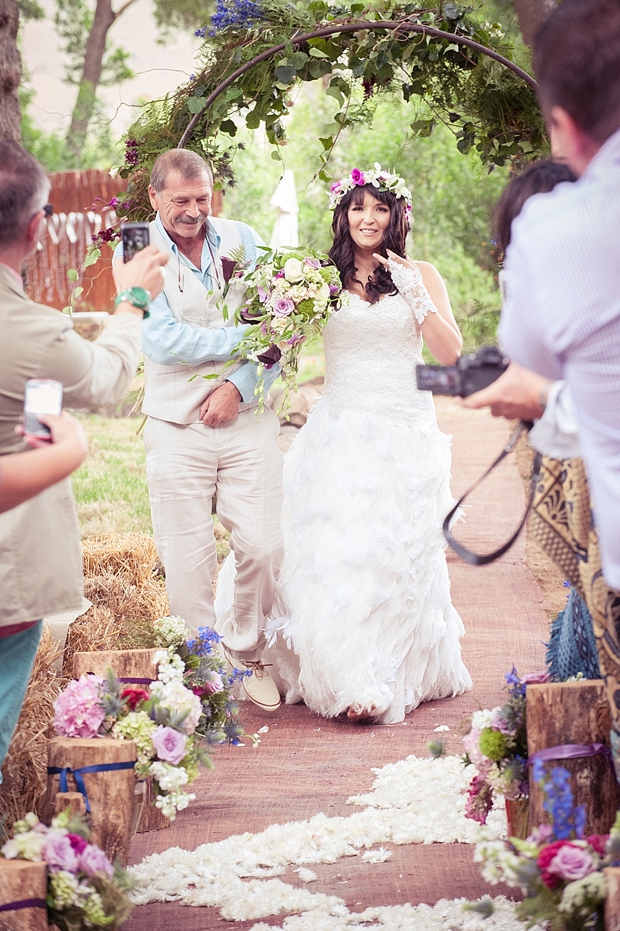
43 396
135 236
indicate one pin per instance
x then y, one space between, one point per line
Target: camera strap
479 559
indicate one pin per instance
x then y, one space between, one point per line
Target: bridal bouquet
558 869
188 707
497 747
289 298
84 890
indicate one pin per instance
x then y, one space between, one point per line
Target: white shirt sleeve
556 433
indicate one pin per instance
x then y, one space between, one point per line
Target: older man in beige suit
40 553
203 434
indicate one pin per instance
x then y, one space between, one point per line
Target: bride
363 621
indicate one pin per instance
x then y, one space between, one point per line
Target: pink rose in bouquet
79 711
58 853
571 862
169 744
93 860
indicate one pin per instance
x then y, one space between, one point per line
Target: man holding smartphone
203 435
40 552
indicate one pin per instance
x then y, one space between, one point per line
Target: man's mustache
193 220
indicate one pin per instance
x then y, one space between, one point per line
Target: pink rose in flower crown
78 711
169 744
572 862
283 307
357 177
93 860
58 853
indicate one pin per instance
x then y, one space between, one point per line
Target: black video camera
471 373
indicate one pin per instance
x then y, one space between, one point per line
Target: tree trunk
91 75
530 14
10 71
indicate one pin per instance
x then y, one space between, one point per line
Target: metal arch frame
355 27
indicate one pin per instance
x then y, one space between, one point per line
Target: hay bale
24 771
122 579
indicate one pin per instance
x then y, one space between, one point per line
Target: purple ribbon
77 774
23 903
133 681
570 752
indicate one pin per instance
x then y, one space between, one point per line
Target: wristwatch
139 297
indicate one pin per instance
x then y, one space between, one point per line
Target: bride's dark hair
342 252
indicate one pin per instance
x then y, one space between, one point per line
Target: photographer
561 316
40 552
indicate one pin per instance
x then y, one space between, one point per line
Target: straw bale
130 555
25 769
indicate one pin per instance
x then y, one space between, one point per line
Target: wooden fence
79 199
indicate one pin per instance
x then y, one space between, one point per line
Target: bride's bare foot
358 713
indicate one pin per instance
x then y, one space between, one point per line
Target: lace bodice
371 351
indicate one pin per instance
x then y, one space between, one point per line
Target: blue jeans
17 654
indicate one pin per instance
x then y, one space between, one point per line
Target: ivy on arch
256 52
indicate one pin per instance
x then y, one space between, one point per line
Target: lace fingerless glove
410 285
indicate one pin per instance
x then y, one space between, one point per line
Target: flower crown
382 180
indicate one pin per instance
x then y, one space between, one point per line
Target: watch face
140 296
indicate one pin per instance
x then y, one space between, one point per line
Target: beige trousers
186 464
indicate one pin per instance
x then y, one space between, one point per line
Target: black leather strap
479 559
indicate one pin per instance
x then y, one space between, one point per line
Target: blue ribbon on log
78 775
570 752
23 903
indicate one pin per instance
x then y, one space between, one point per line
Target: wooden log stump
110 793
612 902
74 801
560 713
152 818
23 881
131 666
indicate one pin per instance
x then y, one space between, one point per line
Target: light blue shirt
168 342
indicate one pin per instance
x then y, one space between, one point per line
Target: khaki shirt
40 552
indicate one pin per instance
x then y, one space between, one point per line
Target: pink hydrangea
78 711
93 860
58 853
169 744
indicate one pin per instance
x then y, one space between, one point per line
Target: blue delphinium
568 820
238 14
515 686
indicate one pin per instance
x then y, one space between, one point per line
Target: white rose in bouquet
293 270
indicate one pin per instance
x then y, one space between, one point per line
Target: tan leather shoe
260 687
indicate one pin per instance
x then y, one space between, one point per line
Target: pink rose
78 843
93 860
214 685
312 263
58 853
169 744
571 862
283 307
357 177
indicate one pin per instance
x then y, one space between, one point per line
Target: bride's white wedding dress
363 614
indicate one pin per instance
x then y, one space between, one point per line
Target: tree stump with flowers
138 668
571 722
612 902
23 887
109 790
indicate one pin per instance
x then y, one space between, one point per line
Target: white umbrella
284 199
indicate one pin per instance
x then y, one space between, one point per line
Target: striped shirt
561 318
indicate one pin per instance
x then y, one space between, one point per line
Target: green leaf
92 257
229 126
286 74
423 127
253 120
195 104
78 292
317 53
297 60
336 93
326 141
72 274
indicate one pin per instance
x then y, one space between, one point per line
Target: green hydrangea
137 726
492 744
63 888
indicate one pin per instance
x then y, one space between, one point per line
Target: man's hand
518 394
145 270
221 406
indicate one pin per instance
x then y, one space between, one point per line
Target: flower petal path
308 767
